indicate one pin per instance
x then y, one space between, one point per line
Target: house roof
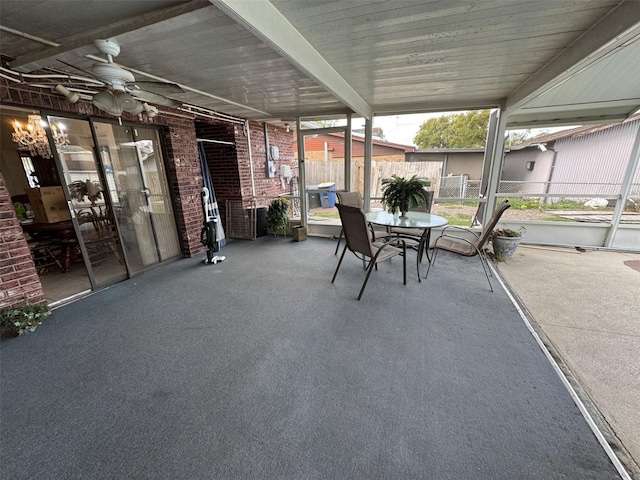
570 133
548 62
450 150
381 143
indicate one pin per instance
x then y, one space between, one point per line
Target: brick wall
231 168
265 186
222 161
18 276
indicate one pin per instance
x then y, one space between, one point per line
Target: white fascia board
263 20
617 28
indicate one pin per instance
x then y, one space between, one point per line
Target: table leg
423 248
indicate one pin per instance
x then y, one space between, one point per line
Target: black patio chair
358 241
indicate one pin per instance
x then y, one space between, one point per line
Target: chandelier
34 136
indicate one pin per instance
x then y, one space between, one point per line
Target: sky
403 128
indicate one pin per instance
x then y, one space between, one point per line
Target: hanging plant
277 215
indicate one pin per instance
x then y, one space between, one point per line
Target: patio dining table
418 220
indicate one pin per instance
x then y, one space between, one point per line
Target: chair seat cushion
388 252
455 245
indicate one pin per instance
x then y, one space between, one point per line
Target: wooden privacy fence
321 172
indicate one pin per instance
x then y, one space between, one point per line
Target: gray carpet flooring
260 368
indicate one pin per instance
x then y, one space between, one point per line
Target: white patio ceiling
548 61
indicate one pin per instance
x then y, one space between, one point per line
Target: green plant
507 232
277 215
23 318
401 194
520 203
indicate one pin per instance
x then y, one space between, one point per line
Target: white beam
618 27
497 160
264 21
368 149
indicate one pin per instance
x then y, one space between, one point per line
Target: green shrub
520 203
24 318
277 215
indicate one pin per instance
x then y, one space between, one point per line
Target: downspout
248 134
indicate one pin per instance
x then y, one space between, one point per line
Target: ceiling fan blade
155 98
86 72
161 88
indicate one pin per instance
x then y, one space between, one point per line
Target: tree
456 130
327 123
462 130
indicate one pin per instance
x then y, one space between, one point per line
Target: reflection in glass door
91 208
137 185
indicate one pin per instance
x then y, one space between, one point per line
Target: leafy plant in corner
277 215
507 232
23 318
402 194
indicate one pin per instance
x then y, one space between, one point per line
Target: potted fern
400 194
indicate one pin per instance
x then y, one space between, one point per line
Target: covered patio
259 367
220 371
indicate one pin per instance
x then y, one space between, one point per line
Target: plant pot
505 247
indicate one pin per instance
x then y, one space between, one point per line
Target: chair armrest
453 236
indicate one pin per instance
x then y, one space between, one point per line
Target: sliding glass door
137 185
90 207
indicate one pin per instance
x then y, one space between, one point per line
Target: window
29 171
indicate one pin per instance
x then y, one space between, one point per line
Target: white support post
368 148
632 166
301 175
347 155
497 158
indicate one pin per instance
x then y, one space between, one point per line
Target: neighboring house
459 170
330 147
590 159
455 161
325 159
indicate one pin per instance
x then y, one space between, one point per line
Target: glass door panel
325 156
138 186
92 210
158 196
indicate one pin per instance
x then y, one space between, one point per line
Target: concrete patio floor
586 307
260 367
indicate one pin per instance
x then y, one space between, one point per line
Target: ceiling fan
122 91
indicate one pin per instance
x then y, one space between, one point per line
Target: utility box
48 204
314 197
